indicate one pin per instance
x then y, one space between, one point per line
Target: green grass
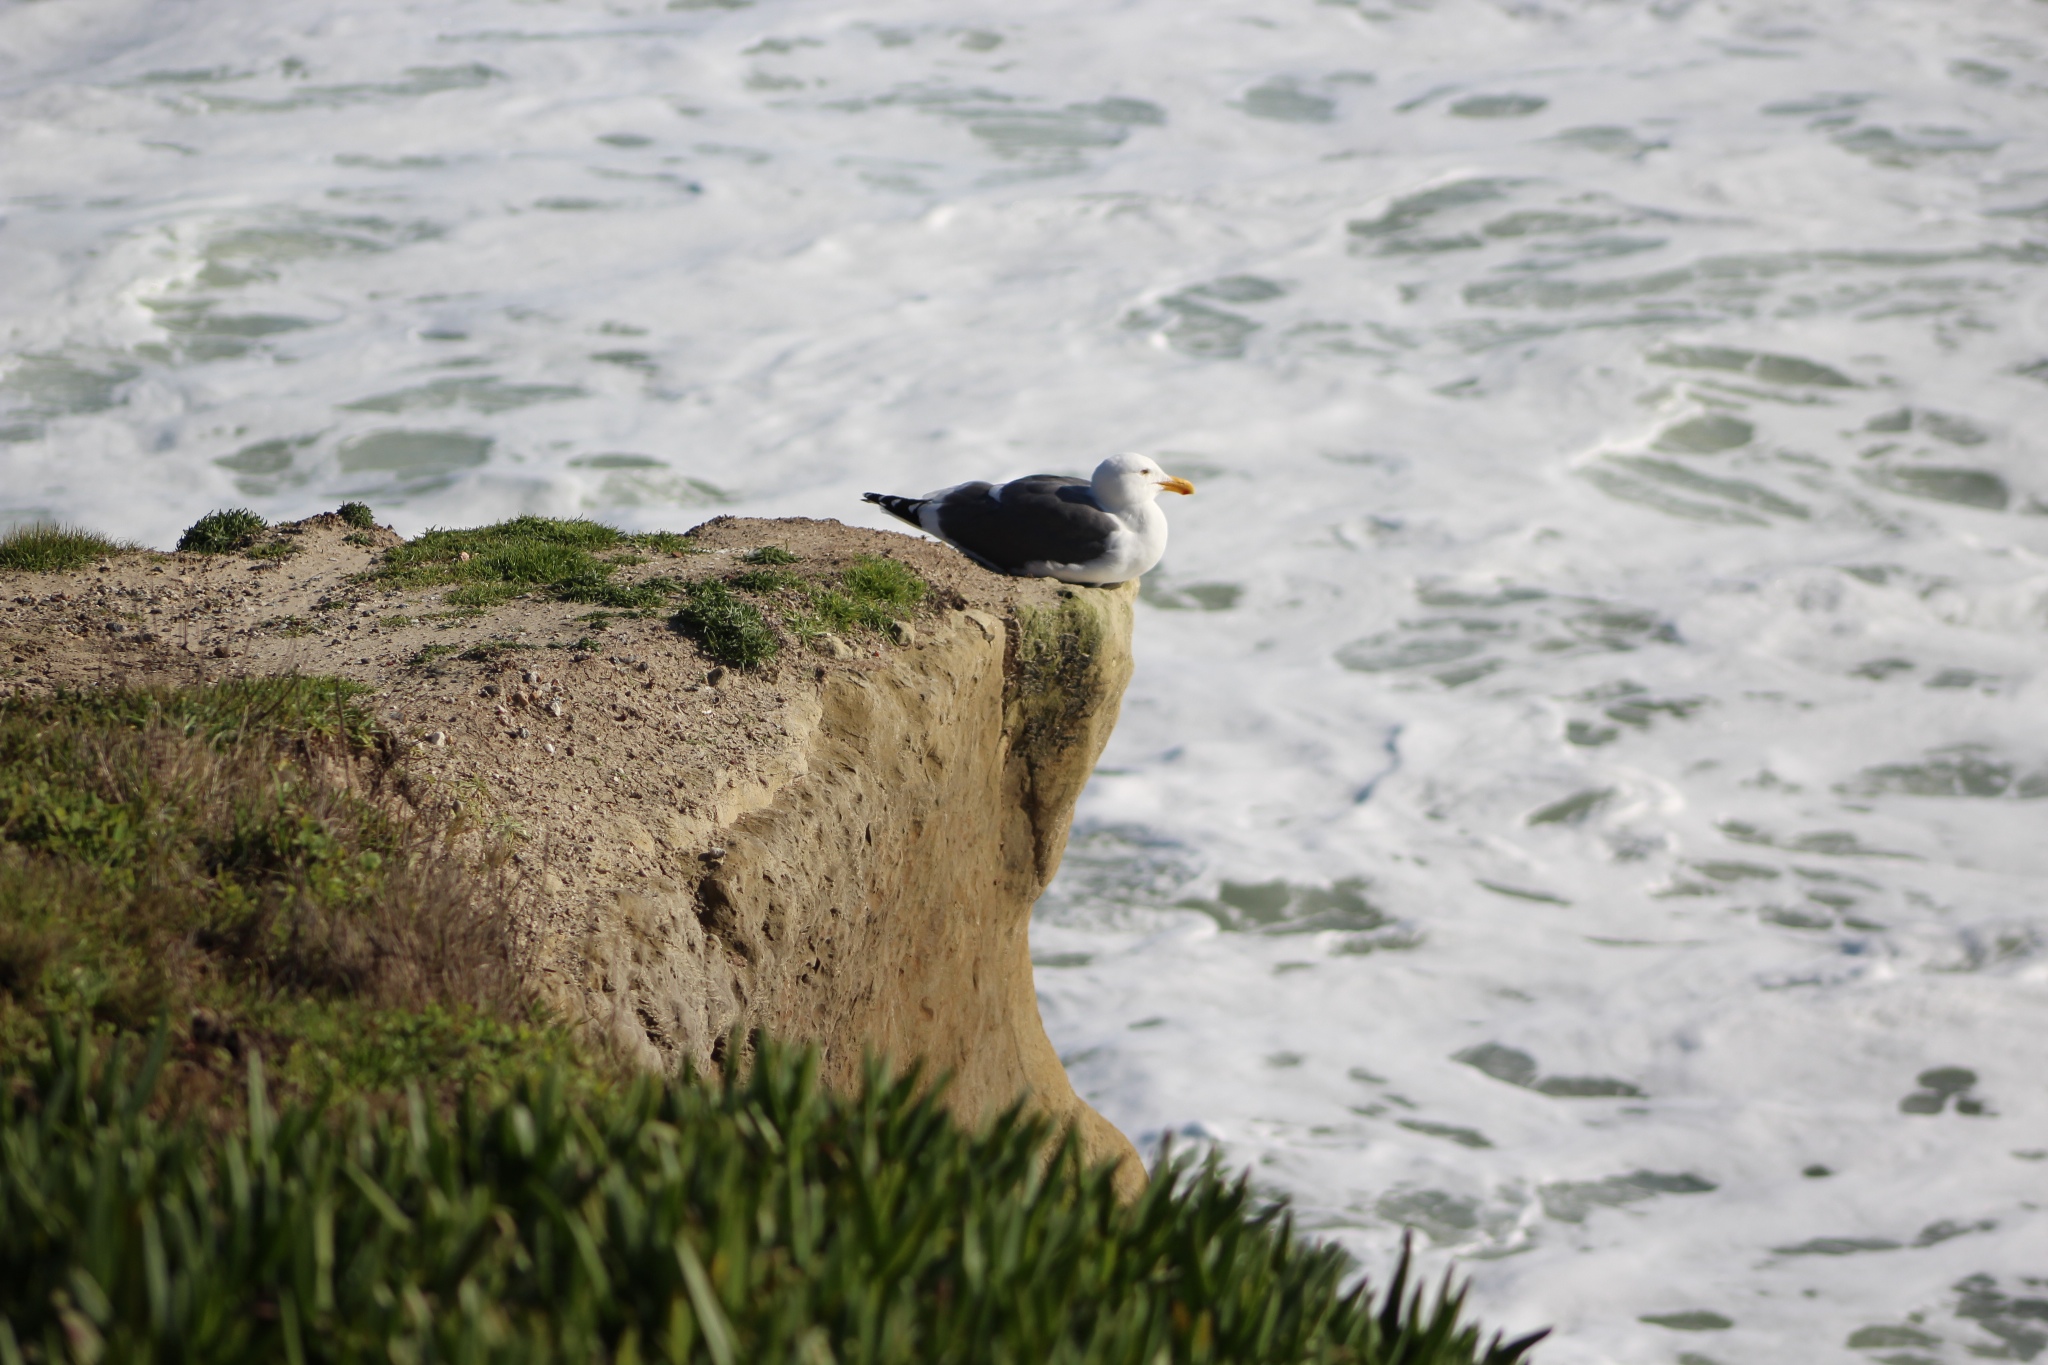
425 655
757 1219
223 532
274 549
44 548
527 554
665 543
358 515
503 561
884 582
870 594
232 852
766 580
573 561
296 709
730 629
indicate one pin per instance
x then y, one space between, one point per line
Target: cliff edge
841 846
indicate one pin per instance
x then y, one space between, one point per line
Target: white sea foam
1609 629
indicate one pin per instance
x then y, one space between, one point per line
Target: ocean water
1584 796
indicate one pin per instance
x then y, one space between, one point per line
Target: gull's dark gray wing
1043 517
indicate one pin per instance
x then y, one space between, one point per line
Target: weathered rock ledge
843 850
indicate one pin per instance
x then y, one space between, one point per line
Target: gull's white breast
1134 547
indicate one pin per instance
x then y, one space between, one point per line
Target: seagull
1105 530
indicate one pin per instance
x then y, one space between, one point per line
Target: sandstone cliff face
843 850
878 896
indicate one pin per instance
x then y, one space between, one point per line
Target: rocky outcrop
842 848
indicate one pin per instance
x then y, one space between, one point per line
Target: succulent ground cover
760 1218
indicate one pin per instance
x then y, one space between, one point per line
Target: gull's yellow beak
1173 485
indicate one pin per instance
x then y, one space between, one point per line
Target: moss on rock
1054 679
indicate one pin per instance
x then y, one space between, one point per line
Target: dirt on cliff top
143 616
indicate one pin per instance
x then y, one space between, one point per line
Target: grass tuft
494 564
223 532
358 515
770 554
766 581
871 594
731 630
426 655
41 547
665 543
523 555
884 582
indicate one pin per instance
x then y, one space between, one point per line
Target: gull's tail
903 509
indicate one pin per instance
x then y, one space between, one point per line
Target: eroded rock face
842 847
878 896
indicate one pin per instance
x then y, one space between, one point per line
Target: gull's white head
1130 480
